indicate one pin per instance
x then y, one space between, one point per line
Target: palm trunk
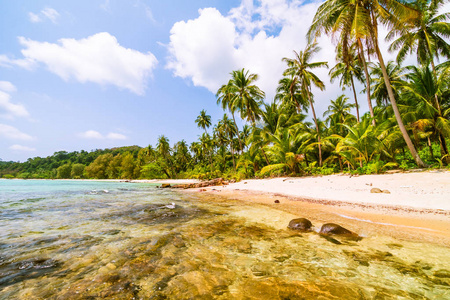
232 155
210 156
366 72
398 117
237 131
317 129
438 106
356 99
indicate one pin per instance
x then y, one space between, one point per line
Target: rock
277 201
213 182
300 224
376 190
335 229
165 185
386 192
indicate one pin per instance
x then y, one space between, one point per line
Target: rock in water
335 229
300 224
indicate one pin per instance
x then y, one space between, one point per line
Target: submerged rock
335 229
300 224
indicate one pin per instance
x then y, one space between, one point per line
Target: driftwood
213 182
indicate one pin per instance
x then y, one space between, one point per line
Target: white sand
423 190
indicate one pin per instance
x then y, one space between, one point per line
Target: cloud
8 109
256 35
13 133
47 13
92 134
22 148
34 18
5 61
206 49
7 86
98 58
115 136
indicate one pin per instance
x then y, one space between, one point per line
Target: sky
95 74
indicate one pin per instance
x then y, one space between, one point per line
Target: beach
417 206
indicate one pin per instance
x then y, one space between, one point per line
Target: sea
69 239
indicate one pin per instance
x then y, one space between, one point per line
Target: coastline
417 208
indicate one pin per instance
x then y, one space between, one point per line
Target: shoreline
405 214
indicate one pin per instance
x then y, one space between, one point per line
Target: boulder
335 229
300 224
165 185
386 192
376 190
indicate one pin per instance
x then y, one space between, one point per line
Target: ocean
63 239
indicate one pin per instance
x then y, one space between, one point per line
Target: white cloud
46 13
7 86
50 13
115 136
92 134
13 133
8 109
5 61
34 18
98 58
22 148
256 38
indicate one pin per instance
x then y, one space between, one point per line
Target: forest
407 125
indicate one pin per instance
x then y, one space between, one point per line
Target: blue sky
83 75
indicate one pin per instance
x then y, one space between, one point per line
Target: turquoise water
112 240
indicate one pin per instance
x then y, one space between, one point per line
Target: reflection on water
138 242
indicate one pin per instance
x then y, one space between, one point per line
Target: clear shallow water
94 240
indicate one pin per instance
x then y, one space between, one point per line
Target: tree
63 172
77 171
347 68
97 169
163 149
359 20
338 113
204 121
299 67
378 87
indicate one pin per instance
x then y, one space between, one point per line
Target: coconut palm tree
226 126
396 77
421 89
299 67
338 113
289 93
347 69
163 149
247 97
358 20
203 120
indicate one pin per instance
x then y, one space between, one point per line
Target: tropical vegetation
407 125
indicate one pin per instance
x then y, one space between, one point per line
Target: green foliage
8 176
77 171
64 171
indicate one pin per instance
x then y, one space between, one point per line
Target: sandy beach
417 206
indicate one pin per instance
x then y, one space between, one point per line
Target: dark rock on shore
213 182
165 185
300 224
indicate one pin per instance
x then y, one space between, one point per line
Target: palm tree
299 67
357 20
229 129
289 93
163 149
422 90
203 120
347 68
225 97
378 87
338 113
247 96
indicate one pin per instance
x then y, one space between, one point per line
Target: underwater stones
335 229
300 224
